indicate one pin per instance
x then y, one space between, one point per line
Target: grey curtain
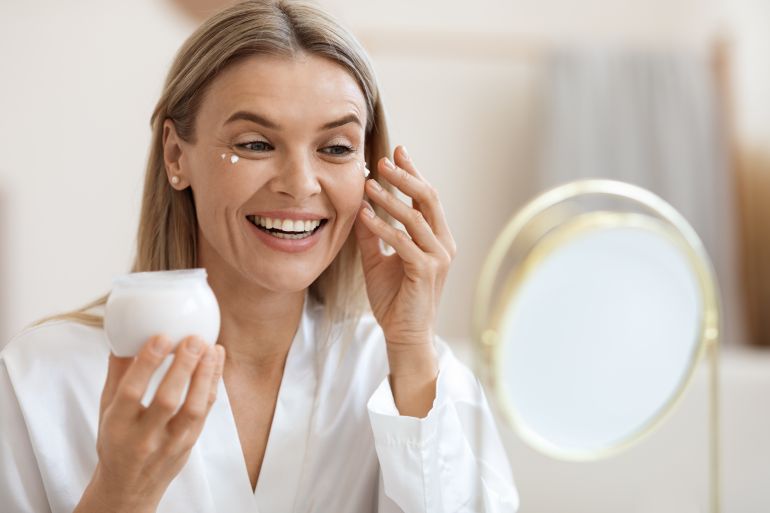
652 119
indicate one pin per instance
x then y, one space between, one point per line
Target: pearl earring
175 180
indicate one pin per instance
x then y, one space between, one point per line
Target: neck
258 325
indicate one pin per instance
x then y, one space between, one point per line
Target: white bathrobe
337 443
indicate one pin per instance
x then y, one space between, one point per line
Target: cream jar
172 303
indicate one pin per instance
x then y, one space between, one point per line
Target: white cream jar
172 303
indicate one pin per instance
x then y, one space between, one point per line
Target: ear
172 156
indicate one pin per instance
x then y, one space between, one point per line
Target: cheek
216 173
223 182
219 190
345 196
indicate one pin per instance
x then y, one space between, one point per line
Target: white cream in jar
172 303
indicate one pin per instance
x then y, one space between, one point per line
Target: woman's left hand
404 287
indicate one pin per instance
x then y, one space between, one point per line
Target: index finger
132 387
424 196
116 368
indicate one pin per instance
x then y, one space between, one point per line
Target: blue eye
339 150
255 146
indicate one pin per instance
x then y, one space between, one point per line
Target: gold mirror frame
488 318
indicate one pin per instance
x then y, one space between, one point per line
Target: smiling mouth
287 229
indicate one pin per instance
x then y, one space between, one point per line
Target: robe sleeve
450 461
21 486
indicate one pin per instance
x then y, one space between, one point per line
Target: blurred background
496 101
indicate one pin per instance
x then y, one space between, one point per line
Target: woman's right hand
142 449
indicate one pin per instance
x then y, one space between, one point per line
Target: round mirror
595 305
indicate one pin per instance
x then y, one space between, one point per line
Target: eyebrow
261 120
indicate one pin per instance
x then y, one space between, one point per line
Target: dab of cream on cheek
364 169
233 157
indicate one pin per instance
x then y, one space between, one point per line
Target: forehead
301 89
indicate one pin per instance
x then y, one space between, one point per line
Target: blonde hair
168 226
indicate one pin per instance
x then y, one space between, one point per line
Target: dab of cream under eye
364 169
233 158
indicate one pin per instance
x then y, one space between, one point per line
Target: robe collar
220 451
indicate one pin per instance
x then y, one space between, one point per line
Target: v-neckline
282 463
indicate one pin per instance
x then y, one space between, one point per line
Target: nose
296 178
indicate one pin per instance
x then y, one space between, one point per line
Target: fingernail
375 184
390 165
404 152
368 210
160 345
194 346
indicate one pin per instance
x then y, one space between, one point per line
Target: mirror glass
598 332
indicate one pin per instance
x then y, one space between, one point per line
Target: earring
175 180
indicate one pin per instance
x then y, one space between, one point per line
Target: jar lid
160 278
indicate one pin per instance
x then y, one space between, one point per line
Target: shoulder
360 343
351 353
355 332
44 356
361 336
51 377
54 340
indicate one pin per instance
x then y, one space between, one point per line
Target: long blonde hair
168 226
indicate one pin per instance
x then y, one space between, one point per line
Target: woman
257 173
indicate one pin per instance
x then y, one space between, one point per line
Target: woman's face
276 168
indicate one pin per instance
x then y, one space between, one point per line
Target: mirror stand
577 241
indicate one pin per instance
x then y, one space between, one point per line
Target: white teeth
286 225
290 235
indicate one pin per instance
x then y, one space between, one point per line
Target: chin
285 280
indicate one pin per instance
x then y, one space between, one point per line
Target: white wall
749 23
80 80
